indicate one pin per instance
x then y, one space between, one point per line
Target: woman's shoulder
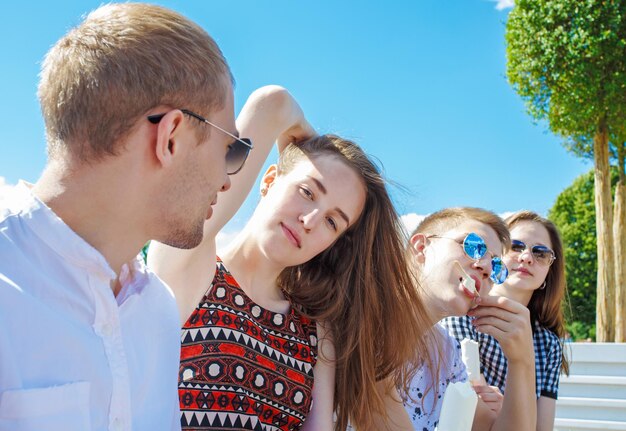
546 339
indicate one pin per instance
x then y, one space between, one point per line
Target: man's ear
268 179
168 134
418 245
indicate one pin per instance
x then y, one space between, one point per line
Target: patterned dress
244 367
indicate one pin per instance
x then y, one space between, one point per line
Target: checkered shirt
493 364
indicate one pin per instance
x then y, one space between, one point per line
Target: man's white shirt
72 355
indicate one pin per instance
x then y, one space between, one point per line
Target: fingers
502 303
502 336
491 396
496 322
482 311
489 392
515 337
297 133
501 313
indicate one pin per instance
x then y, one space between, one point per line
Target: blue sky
419 84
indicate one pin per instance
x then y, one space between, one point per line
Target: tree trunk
619 238
605 305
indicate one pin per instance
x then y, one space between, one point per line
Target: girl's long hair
545 304
363 291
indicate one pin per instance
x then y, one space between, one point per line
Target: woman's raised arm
270 115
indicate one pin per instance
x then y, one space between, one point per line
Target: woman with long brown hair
537 280
298 325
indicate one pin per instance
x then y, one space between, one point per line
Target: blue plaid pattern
493 364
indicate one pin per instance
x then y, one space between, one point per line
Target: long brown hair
545 304
362 289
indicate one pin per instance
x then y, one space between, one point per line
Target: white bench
593 396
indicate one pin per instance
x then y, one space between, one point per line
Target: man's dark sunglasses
238 150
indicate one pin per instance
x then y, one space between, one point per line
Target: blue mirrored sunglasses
475 247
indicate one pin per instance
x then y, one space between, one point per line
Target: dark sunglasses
238 150
542 254
475 247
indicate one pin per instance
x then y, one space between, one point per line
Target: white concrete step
602 359
588 425
593 386
593 396
591 408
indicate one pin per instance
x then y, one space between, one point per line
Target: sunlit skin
270 115
193 188
525 273
302 213
440 276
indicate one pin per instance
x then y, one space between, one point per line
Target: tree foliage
567 59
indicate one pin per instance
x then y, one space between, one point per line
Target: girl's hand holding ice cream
508 322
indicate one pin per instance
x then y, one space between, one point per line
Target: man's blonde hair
120 62
447 219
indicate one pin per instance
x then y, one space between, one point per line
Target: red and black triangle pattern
244 367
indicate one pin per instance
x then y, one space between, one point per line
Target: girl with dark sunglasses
536 280
297 324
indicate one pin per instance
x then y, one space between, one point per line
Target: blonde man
138 106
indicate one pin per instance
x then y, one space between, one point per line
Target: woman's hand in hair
300 129
272 112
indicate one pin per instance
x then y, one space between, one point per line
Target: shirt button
116 425
106 330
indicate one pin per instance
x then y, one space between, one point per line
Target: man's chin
186 240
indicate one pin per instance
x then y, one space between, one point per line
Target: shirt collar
52 230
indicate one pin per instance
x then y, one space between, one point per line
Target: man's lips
469 283
210 209
291 235
477 281
468 292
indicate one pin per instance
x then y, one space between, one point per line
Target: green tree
567 60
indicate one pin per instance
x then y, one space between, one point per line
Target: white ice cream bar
458 408
471 359
468 282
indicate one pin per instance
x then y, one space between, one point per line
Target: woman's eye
331 223
517 247
306 192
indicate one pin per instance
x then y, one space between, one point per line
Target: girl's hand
491 396
508 322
